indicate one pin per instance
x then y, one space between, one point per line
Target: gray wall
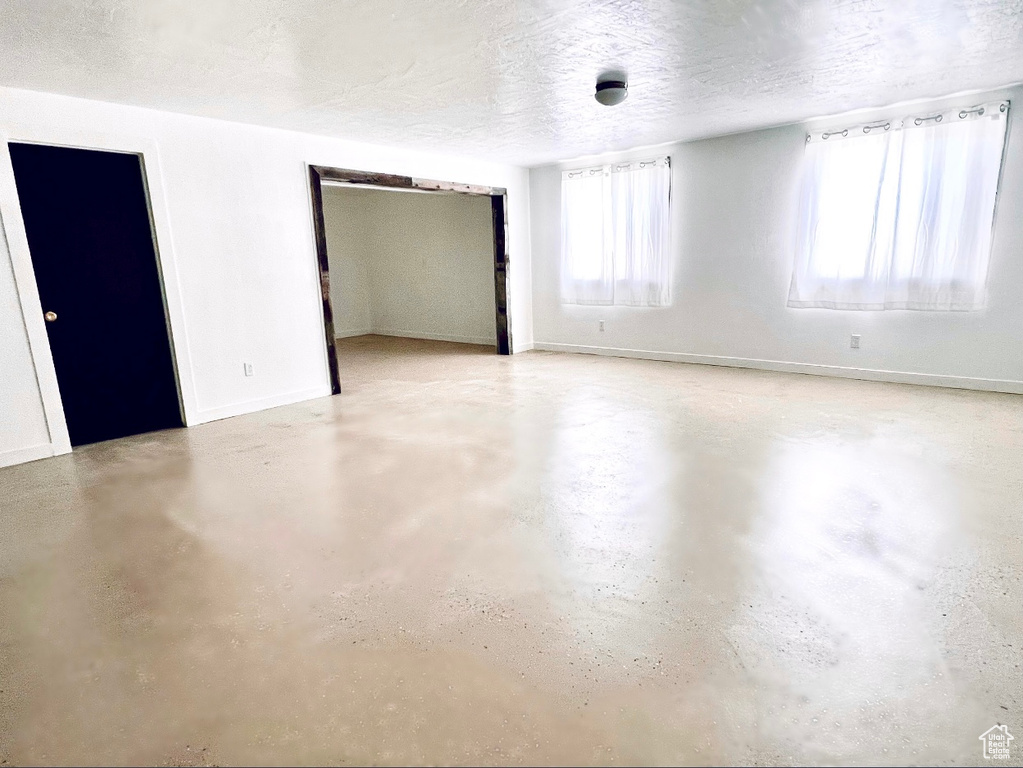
410 264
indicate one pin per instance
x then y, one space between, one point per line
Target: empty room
620 382
407 265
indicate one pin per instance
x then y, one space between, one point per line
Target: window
615 234
898 215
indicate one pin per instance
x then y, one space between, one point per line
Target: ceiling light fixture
611 89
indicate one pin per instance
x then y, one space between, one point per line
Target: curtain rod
937 118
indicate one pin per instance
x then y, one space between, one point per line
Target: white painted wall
733 219
411 264
234 225
23 432
348 220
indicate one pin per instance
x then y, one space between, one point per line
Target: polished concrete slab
540 559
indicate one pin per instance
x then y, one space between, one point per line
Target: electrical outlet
854 341
247 367
601 326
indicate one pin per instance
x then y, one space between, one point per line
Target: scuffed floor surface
540 559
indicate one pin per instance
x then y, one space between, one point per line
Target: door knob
50 316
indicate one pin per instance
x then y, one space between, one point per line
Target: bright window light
899 215
615 234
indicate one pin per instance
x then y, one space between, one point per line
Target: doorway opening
93 250
321 179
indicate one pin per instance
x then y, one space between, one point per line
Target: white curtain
947 192
615 234
899 215
587 270
641 228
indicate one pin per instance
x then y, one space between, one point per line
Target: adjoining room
410 264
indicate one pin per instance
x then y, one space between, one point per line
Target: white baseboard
348 334
261 404
31 453
46 450
434 336
516 348
867 374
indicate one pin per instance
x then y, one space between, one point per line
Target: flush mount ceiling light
611 89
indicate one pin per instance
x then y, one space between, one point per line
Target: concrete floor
540 559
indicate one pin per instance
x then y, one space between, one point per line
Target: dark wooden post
320 230
498 205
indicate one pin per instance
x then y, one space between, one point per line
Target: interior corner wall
237 213
733 232
411 264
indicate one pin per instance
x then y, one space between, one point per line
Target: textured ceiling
510 80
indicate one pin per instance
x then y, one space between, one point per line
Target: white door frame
24 274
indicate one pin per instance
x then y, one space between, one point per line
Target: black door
87 220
